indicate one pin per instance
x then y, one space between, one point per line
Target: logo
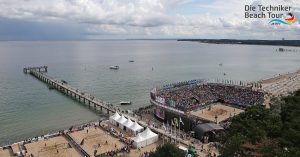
288 20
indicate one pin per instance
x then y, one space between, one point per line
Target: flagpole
175 133
179 129
171 129
165 133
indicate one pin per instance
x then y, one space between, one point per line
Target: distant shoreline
295 43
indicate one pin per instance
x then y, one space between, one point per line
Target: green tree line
265 132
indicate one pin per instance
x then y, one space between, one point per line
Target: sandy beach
53 147
5 153
149 148
222 112
95 139
283 84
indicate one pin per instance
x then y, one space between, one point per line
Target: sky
139 19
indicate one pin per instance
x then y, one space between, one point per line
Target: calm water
28 108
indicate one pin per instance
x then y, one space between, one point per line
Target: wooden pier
39 69
63 87
82 97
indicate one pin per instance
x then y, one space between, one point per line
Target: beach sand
5 153
53 147
218 109
15 148
94 137
283 84
149 148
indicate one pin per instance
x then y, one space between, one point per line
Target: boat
116 67
63 81
125 103
131 61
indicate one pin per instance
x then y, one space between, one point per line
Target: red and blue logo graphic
290 19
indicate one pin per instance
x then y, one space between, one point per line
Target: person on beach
95 152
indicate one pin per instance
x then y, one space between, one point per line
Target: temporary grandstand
190 99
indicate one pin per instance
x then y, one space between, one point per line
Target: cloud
86 19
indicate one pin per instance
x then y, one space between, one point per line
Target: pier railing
63 87
83 97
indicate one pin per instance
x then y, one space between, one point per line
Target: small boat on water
125 103
116 67
63 81
131 61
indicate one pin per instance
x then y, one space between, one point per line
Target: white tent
113 119
150 136
139 141
121 121
136 128
128 123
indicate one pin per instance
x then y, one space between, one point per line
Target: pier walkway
63 87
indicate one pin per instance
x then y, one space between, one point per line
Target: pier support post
39 73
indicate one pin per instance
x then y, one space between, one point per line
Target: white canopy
114 118
139 141
138 138
136 127
150 136
121 120
128 123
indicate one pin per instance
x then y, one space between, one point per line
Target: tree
232 147
274 132
168 150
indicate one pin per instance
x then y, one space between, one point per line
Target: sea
28 108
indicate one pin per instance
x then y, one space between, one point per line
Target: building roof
209 127
201 129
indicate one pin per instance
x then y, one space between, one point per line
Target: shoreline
291 43
282 84
276 79
279 76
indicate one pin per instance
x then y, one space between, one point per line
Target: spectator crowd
191 97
